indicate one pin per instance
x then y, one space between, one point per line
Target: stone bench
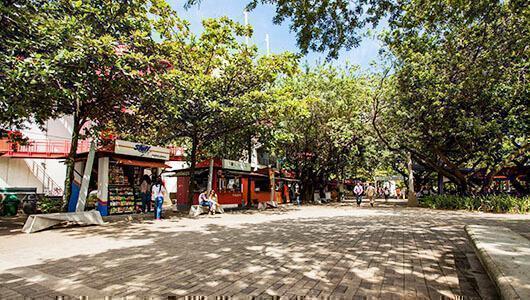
506 257
197 210
40 222
268 204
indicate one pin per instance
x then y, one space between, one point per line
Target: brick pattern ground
339 252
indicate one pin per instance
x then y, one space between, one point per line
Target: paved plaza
387 252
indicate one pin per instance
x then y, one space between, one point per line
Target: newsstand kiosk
117 174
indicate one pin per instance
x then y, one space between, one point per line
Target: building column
103 179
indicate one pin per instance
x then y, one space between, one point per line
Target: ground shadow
394 252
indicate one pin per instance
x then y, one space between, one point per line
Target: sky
280 37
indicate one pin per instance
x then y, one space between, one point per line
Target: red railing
41 148
59 149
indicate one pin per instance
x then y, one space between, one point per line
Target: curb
495 272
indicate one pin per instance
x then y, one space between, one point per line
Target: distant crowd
359 190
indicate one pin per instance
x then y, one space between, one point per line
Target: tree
20 37
216 87
460 90
321 129
86 59
460 75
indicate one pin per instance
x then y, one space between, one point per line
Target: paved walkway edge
487 241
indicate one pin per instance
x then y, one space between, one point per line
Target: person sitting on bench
213 201
204 201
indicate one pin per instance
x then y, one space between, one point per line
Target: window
230 184
201 182
262 185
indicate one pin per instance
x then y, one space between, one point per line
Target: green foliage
85 59
490 203
321 127
458 97
215 86
48 205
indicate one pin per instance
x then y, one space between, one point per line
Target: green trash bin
11 203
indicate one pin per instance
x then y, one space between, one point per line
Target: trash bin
29 204
11 203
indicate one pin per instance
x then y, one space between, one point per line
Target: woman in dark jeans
145 194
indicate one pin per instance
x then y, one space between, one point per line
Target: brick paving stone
341 252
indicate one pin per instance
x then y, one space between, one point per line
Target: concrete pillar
210 176
103 179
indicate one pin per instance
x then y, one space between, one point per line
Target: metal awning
287 179
185 172
246 174
141 163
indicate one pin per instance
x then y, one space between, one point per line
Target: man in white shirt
358 191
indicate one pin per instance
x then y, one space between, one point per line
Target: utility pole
267 44
245 14
249 184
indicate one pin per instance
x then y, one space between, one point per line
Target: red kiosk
230 181
229 178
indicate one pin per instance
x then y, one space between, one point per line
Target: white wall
14 172
58 129
171 182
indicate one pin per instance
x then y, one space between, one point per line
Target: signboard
141 150
235 165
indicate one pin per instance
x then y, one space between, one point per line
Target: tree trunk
307 191
193 162
70 163
412 201
440 184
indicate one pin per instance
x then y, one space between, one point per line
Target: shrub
489 203
50 205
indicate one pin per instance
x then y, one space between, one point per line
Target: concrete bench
40 222
506 257
268 204
197 210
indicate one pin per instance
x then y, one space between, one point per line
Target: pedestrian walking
158 193
290 188
370 193
145 193
358 191
386 193
341 191
297 193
